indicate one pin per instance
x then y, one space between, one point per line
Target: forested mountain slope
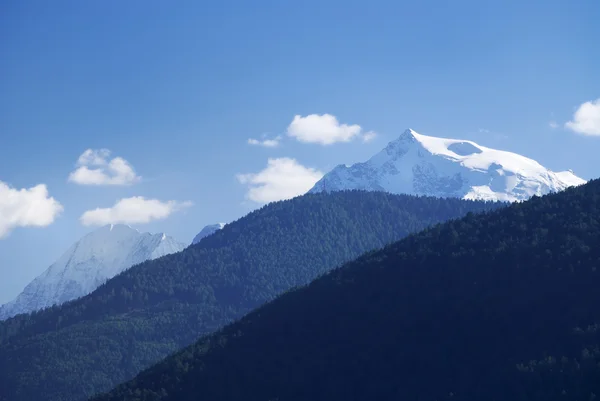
155 308
502 306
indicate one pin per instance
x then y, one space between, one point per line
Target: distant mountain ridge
72 351
424 165
95 258
206 231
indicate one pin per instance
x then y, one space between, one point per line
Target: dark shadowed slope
157 307
503 306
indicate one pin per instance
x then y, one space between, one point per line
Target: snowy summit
206 231
97 257
424 165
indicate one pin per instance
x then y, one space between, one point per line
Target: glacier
87 264
425 165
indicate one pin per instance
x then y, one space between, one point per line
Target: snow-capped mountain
424 165
206 231
95 258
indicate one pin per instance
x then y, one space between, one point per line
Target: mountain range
411 164
91 261
75 350
137 297
501 306
425 165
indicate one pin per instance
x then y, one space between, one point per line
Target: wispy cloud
267 143
134 210
369 136
95 168
283 178
26 207
325 129
553 124
586 119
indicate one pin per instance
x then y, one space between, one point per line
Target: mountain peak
117 227
409 134
206 231
95 258
425 165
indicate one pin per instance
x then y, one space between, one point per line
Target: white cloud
26 207
553 124
135 210
283 178
267 143
586 119
322 129
104 172
369 136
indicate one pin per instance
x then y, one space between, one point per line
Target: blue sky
177 90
